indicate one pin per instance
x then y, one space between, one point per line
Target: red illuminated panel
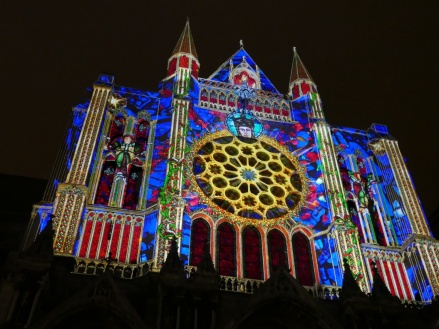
86 238
195 69
296 92
305 88
252 254
237 79
226 250
302 259
184 61
136 241
125 242
276 250
200 232
104 243
172 66
95 239
115 239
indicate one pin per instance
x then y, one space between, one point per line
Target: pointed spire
298 71
186 43
173 264
206 263
350 286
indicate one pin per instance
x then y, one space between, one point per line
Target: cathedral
220 202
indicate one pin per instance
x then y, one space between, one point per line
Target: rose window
246 179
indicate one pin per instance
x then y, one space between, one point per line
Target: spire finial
185 43
298 70
241 44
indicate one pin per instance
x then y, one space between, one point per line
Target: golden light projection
256 181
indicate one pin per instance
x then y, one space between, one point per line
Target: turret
184 57
301 84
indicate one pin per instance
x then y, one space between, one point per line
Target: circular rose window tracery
249 180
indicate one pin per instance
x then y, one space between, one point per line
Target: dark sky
373 62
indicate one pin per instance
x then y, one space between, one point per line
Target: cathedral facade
230 167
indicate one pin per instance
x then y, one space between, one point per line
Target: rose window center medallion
248 180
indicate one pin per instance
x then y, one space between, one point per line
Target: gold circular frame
252 181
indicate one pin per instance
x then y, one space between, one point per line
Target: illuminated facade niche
230 165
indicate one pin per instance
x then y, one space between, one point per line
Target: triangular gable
222 74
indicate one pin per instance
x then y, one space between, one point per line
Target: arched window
142 132
231 101
117 127
172 66
184 61
222 99
252 260
303 259
305 88
258 106
277 250
204 95
356 218
200 234
105 183
226 255
133 188
276 108
213 97
296 91
195 69
267 107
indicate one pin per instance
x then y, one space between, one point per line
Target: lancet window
226 250
277 250
303 259
252 250
200 235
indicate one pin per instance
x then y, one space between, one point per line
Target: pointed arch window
305 88
222 99
231 101
303 259
184 61
267 107
142 132
172 66
200 234
204 95
226 256
252 258
213 97
133 187
195 69
296 91
356 218
276 108
117 127
105 183
258 106
277 250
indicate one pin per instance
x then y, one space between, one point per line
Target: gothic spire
350 288
298 70
186 43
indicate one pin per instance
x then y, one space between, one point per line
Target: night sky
373 62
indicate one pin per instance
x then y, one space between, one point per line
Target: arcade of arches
253 243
